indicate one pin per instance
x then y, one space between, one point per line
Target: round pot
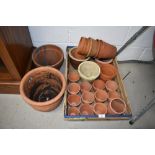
76 58
73 76
73 88
74 100
98 84
43 88
89 70
111 85
100 108
73 111
48 55
101 62
101 95
116 106
114 94
87 97
85 86
108 72
86 109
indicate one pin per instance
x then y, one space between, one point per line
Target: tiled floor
140 86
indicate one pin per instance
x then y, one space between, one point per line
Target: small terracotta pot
98 84
101 62
111 85
82 43
73 76
94 48
116 106
89 46
86 109
74 100
87 97
85 86
108 72
73 111
73 88
48 55
98 49
100 108
101 95
114 94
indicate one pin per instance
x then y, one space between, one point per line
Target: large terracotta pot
48 55
43 88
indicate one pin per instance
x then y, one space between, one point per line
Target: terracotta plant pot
101 62
85 86
94 48
76 58
73 111
74 100
114 94
100 108
48 55
116 106
73 88
108 72
87 97
101 95
98 49
98 84
73 76
111 85
86 109
43 88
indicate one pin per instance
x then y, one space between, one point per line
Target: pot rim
102 62
73 92
95 86
70 108
89 106
71 104
51 45
86 101
98 103
35 103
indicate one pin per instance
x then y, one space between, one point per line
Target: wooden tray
121 89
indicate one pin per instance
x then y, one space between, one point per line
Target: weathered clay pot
73 111
73 76
108 72
73 88
111 85
74 100
100 108
85 86
43 88
114 94
101 95
48 55
116 106
76 58
86 109
100 62
87 97
98 84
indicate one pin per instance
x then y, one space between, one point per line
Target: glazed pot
86 109
48 55
98 84
76 58
73 111
87 97
85 86
73 76
108 72
116 106
114 94
100 108
74 100
111 85
43 88
73 88
101 95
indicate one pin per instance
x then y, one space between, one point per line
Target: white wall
62 36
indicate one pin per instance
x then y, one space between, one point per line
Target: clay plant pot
114 94
86 109
73 88
111 85
73 76
98 84
100 108
98 48
74 100
43 88
48 55
87 97
108 72
73 111
85 86
94 47
101 95
116 106
76 58
101 62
